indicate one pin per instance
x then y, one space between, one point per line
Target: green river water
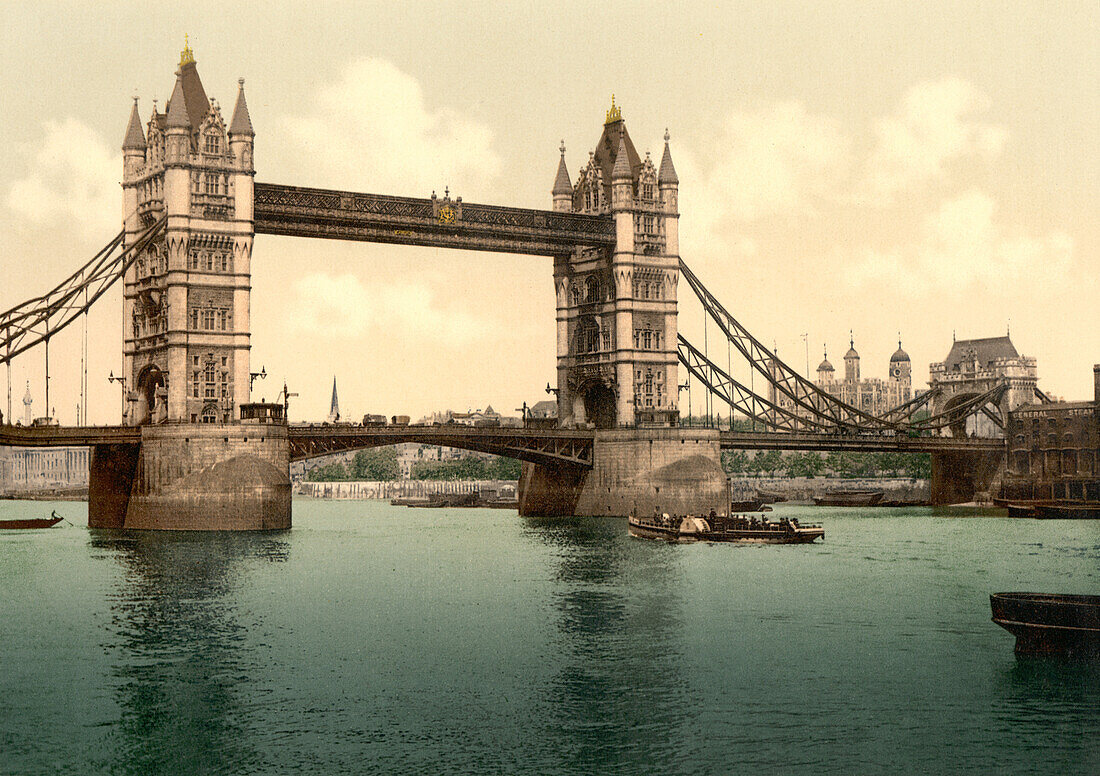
380 639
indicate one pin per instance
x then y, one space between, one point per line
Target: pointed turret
242 122
135 138
177 117
667 173
563 189
621 171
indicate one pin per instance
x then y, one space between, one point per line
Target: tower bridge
183 458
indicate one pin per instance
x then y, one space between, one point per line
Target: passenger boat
720 528
38 522
1050 623
849 498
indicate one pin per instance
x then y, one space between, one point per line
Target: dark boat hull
1050 623
44 522
800 535
853 499
1051 510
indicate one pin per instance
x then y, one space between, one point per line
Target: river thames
380 639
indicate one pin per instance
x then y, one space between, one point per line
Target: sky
928 169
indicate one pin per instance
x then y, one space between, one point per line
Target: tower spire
334 410
667 173
241 124
135 138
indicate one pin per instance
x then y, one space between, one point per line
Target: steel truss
811 406
347 215
37 320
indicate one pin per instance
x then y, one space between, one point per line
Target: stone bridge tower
186 299
975 366
616 309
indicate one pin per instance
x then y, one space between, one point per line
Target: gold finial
187 56
614 114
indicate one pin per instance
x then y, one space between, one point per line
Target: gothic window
647 339
592 289
656 340
588 335
649 224
575 293
195 325
212 143
222 314
647 191
209 414
224 261
637 340
213 183
607 339
195 384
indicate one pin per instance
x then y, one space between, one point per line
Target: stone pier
663 469
196 477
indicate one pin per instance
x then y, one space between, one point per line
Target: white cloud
372 130
933 126
341 305
770 161
961 247
72 178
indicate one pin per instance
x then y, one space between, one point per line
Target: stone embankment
805 488
398 488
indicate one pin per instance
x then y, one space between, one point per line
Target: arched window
592 289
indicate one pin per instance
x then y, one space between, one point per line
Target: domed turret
851 361
901 368
825 370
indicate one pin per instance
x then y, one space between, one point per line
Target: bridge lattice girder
541 446
37 320
346 215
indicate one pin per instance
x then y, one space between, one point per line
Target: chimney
1096 384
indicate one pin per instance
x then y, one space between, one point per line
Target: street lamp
121 380
252 376
682 387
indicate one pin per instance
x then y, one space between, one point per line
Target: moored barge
849 498
720 528
1050 623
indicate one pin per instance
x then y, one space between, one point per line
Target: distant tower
616 308
901 369
186 297
27 402
825 372
851 362
334 408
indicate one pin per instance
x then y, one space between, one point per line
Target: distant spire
667 173
135 138
621 170
242 122
561 182
334 410
177 107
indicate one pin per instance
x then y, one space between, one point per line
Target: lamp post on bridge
253 376
523 410
682 387
121 380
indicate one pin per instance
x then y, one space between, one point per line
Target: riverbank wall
398 488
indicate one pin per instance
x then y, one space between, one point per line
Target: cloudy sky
927 168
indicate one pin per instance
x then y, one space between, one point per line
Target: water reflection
181 662
620 699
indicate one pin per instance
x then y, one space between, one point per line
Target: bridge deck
560 445
346 215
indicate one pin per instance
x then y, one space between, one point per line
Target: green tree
379 464
333 472
735 461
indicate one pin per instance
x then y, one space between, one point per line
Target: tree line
380 465
838 464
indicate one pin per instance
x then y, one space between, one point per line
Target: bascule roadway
543 446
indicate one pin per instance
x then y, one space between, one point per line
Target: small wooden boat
38 522
770 497
719 528
850 498
748 505
1050 623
